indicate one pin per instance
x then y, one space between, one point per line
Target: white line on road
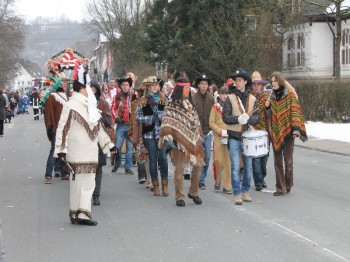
310 241
293 232
10 125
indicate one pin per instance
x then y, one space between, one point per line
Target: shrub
325 101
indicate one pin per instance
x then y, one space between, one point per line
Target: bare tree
121 22
11 41
338 10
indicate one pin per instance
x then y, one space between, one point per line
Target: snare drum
255 143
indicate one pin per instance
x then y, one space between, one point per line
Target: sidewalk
325 145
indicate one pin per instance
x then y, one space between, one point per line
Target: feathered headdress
81 74
55 82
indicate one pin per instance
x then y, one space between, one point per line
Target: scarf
126 108
152 98
181 123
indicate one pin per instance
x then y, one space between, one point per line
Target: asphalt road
312 223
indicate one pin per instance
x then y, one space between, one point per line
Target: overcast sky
31 9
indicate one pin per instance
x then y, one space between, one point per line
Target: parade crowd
238 124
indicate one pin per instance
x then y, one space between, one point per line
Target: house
28 75
101 62
308 50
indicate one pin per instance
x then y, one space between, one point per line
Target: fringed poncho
181 124
286 119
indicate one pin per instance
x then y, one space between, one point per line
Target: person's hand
242 119
245 116
223 133
62 156
114 150
169 146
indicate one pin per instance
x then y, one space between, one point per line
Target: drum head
254 134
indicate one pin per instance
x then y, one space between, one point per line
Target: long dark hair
177 96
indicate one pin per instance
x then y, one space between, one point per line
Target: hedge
325 101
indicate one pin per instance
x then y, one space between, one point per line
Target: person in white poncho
79 130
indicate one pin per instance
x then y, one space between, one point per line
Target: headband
183 84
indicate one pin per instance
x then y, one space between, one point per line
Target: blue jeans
207 142
54 163
121 135
235 148
259 170
153 154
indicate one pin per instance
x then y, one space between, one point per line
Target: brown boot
165 190
156 191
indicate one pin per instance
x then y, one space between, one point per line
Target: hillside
43 40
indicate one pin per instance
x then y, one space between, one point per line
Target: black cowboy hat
240 72
124 79
202 77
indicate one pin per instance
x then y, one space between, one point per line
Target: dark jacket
230 119
106 118
2 107
53 109
203 105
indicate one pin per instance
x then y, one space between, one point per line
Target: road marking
267 191
310 241
274 223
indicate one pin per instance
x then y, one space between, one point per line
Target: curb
324 150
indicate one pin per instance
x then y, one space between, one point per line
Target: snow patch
320 130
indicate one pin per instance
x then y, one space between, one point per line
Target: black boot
195 199
95 200
86 222
180 203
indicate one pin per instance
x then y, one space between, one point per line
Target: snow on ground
340 132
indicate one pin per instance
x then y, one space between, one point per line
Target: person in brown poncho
181 134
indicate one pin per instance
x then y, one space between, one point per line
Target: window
292 6
345 53
291 43
302 58
289 62
300 50
301 41
295 51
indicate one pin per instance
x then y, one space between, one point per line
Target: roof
33 69
345 6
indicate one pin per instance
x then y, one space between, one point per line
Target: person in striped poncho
286 122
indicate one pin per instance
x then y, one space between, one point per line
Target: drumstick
269 96
253 111
240 102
